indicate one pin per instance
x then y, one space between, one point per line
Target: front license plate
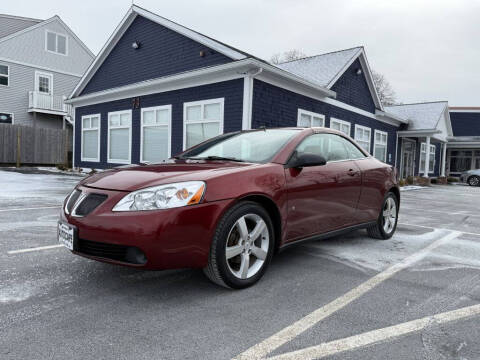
66 235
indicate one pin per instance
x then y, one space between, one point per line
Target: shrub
402 182
453 179
410 180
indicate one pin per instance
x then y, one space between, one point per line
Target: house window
380 145
202 120
4 75
310 119
340 125
56 43
156 133
6 118
43 82
423 154
91 137
119 136
461 160
363 136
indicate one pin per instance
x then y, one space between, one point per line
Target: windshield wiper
213 157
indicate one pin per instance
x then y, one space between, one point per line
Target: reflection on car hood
136 177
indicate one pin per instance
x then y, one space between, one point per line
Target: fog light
136 256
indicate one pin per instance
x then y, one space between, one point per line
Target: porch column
444 159
427 157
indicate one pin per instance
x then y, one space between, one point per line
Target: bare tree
289 55
384 89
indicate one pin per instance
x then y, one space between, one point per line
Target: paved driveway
349 297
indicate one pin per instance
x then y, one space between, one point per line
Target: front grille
128 254
72 199
90 203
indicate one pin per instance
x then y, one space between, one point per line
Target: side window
332 147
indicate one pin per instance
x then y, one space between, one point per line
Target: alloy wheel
474 181
389 215
247 246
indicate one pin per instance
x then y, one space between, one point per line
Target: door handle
352 172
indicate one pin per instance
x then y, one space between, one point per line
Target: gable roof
421 116
326 69
39 23
10 24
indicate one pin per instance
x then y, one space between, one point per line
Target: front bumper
170 238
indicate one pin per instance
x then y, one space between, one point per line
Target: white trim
341 122
247 102
37 82
221 101
464 111
56 42
344 68
82 158
418 133
7 76
312 114
10 113
39 67
375 143
142 126
119 161
432 170
364 128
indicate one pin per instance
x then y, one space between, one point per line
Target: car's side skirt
328 234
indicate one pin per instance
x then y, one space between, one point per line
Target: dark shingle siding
353 89
274 106
162 52
231 90
465 124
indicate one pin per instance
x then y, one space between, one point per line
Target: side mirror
306 160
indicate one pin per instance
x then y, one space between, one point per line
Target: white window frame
97 159
202 120
56 42
10 113
142 126
423 151
6 76
341 122
37 81
119 113
364 128
312 115
375 143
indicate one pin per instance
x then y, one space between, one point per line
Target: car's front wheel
387 219
474 180
242 246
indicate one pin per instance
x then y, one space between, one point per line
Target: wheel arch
396 191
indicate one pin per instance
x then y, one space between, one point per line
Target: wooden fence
28 145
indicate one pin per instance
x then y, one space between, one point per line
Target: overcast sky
428 50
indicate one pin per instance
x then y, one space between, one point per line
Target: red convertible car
228 204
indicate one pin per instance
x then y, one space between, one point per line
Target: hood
136 177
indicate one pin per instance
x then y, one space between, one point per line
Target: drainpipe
248 98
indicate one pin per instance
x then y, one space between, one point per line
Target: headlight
163 197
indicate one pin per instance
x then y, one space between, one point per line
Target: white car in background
471 177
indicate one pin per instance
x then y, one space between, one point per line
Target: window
6 118
310 119
91 138
4 75
340 125
423 154
202 120
462 160
332 147
362 136
56 43
380 145
155 133
43 82
119 136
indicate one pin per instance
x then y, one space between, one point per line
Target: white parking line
375 336
34 208
261 350
21 251
437 228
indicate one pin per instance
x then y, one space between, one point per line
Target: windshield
252 146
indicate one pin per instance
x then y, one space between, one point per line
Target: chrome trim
68 200
77 204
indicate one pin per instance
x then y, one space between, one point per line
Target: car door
323 198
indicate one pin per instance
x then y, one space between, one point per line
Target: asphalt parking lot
415 296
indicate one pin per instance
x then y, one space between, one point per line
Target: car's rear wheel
387 219
473 181
242 246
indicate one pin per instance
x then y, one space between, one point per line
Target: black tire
473 180
377 231
217 270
